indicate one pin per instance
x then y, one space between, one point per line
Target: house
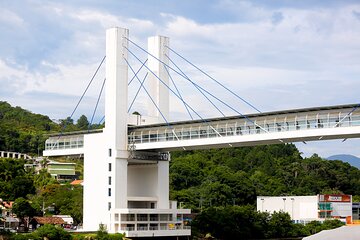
61 171
7 219
303 209
37 222
67 219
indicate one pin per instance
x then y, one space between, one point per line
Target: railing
59 143
154 228
282 123
325 118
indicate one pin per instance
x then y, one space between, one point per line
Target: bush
52 233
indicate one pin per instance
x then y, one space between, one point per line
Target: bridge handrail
240 127
333 118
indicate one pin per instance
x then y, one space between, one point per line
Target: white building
303 209
126 190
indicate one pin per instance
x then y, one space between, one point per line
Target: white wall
95 181
342 209
142 180
298 207
163 185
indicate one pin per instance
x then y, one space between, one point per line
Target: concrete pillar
158 91
116 104
163 185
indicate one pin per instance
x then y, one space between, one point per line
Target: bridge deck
306 124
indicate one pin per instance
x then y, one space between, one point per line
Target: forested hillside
221 186
25 132
231 176
21 130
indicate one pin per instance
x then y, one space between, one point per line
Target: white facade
298 207
125 193
308 208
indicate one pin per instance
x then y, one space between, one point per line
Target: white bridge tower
128 191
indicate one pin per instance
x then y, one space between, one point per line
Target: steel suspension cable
141 85
177 90
97 103
206 74
174 94
162 115
78 103
137 72
195 85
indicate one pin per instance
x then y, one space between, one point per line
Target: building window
109 206
109 152
109 167
109 180
109 192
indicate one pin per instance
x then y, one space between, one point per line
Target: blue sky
276 54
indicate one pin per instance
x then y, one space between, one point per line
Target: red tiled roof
7 204
48 220
76 182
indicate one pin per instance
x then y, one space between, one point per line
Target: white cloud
7 16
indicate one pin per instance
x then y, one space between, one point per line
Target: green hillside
26 132
23 131
221 177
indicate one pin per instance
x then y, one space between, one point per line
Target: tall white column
116 104
158 91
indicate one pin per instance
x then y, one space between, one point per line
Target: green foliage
67 200
15 182
25 132
22 131
51 232
220 177
213 182
22 208
43 178
102 234
356 198
243 222
82 123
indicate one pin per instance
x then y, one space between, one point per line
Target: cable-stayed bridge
126 164
296 125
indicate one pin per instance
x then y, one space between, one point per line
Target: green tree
52 232
82 123
23 210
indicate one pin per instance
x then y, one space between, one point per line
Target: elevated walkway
307 124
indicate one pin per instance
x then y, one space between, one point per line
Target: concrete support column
157 46
116 104
163 185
